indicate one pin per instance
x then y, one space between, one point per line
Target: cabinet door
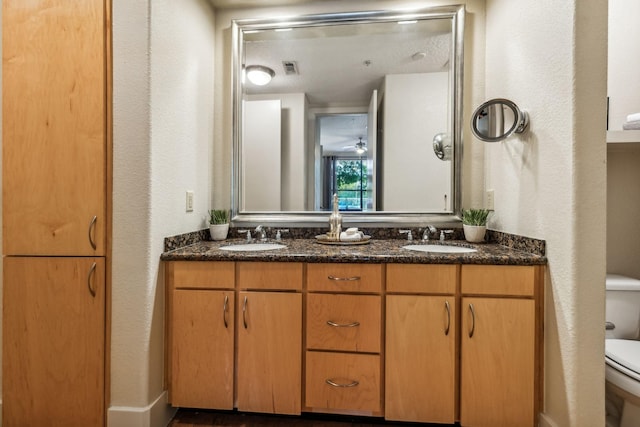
54 127
269 368
53 344
202 349
497 362
420 374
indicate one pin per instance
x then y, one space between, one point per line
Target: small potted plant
218 224
474 223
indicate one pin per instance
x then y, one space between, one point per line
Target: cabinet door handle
448 309
92 270
473 320
343 279
342 325
224 310
333 383
92 229
244 312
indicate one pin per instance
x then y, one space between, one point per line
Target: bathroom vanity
372 330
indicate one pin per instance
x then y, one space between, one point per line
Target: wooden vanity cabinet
501 350
344 338
202 325
235 335
269 347
421 343
425 343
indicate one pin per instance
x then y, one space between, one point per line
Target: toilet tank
623 306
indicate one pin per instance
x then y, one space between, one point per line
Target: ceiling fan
359 147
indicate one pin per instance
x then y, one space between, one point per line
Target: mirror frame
456 14
519 125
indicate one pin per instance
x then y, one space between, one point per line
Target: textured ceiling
341 65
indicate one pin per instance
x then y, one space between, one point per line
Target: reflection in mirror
497 119
350 104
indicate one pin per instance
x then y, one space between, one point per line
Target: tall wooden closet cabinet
56 145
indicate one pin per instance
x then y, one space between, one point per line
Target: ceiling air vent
290 67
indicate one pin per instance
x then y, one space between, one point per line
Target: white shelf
623 136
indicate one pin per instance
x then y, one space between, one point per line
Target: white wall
407 143
550 58
261 155
623 160
163 128
293 150
624 61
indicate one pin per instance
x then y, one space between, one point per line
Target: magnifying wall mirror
497 119
351 107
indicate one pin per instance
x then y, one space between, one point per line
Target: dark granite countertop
376 251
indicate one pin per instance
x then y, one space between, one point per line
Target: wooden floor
201 418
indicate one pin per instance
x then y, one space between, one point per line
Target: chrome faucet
408 233
262 233
429 229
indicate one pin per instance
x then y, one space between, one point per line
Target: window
351 184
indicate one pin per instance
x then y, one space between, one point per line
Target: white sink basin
252 247
447 249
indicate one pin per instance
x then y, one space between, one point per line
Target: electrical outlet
489 200
189 204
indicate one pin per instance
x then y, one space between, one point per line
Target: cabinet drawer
343 381
344 277
508 280
422 278
344 322
270 275
202 274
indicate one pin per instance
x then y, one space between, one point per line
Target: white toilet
622 351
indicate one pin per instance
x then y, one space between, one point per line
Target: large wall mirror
348 104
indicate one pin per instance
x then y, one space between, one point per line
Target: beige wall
163 128
623 209
550 58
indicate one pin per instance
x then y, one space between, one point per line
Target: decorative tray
324 239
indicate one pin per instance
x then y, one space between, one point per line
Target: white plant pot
218 231
474 233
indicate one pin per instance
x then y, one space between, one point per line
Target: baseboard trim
156 414
544 421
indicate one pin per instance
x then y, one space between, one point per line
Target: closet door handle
342 325
333 383
244 312
92 229
92 270
343 279
473 320
448 309
224 311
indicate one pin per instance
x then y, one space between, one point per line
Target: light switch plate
189 204
489 199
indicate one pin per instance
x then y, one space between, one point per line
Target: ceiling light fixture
259 74
361 148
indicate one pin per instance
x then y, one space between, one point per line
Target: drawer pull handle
473 320
244 312
224 311
344 279
92 291
92 228
333 383
342 325
446 307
